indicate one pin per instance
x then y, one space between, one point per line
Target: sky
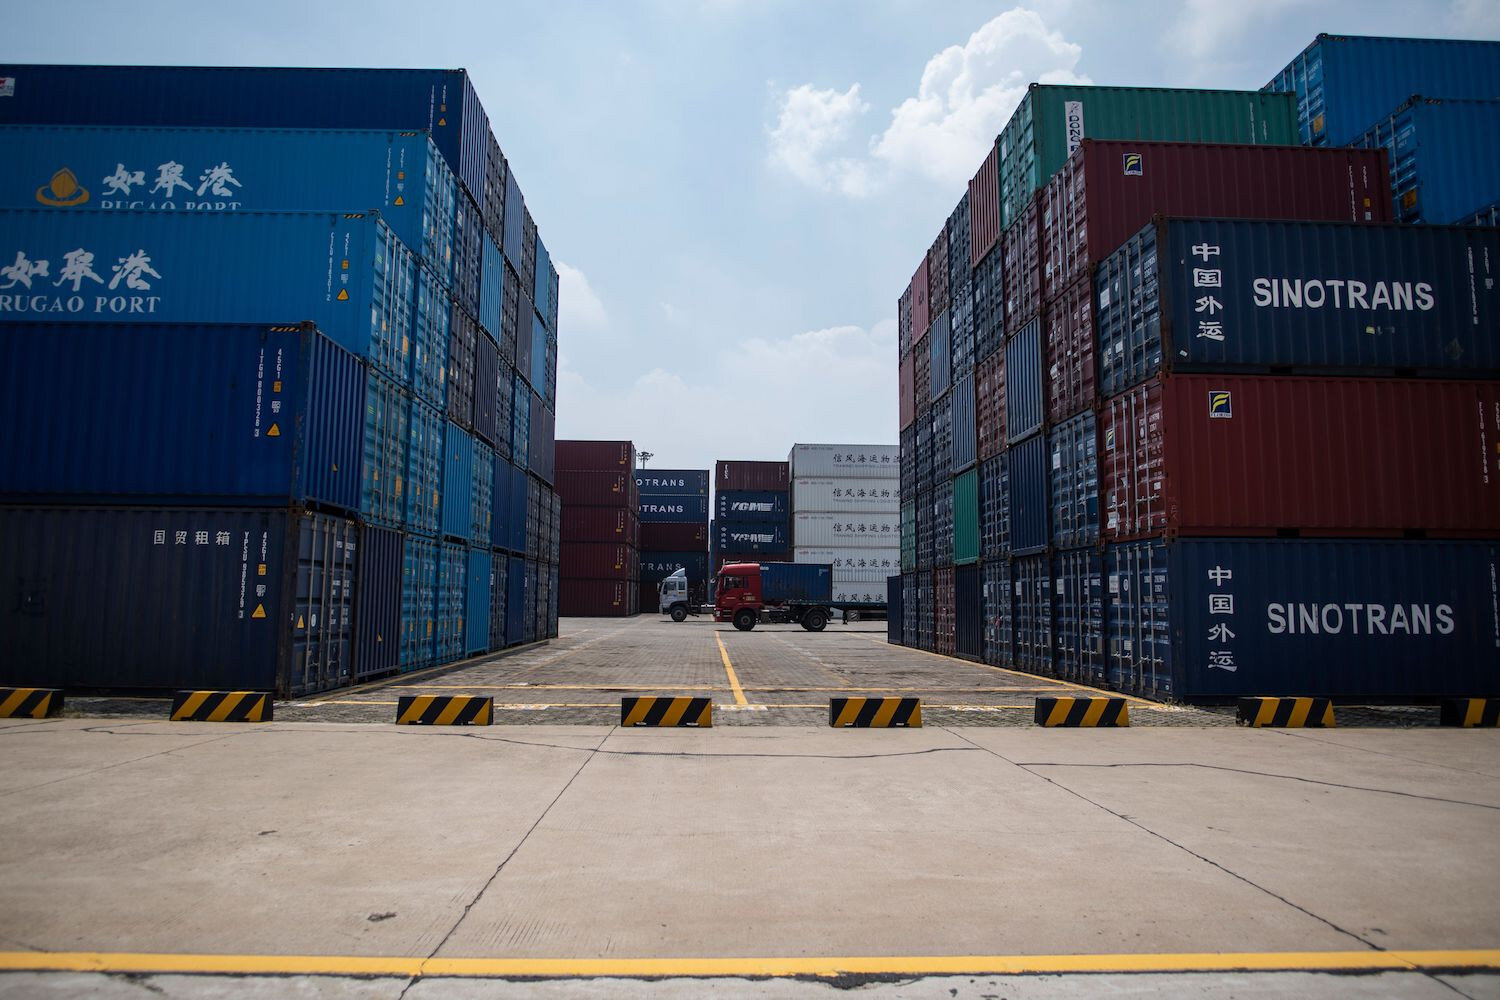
736 192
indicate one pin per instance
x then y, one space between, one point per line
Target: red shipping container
599 561
921 316
989 404
599 524
1329 457
751 476
1108 190
597 598
937 273
943 601
1022 271
595 456
597 489
1068 325
984 207
668 536
906 391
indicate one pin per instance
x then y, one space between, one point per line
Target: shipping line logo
1219 404
216 189
27 285
1135 165
63 190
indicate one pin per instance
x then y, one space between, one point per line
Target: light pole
645 456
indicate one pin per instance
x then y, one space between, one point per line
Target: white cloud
1206 29
579 307
813 126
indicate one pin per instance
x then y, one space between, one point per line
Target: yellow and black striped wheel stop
1082 712
445 710
875 713
1468 713
221 706
30 703
654 711
1286 713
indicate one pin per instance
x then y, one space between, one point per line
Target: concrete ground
361 859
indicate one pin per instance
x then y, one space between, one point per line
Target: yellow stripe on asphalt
116 963
734 682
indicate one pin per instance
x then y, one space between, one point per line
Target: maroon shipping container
906 391
984 207
943 601
1268 455
599 524
921 316
1022 269
1068 326
599 561
937 273
597 598
595 456
989 404
1107 191
751 476
673 537
597 489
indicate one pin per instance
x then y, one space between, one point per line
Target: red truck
797 593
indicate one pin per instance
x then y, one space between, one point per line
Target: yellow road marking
734 682
385 682
406 967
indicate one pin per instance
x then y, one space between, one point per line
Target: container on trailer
1025 383
1021 268
943 597
517 600
984 207
1262 455
989 406
844 461
600 561
995 606
377 603
965 425
231 415
452 601
1298 296
994 507
598 524
845 495
673 537
966 517
940 375
770 506
1442 153
597 598
1031 611
672 482
942 524
424 469
1053 119
760 537
847 528
1078 615
895 616
1030 473
1068 327
968 613
418 602
1074 458
477 610
499 587
486 374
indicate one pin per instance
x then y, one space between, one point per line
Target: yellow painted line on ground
571 968
544 687
734 682
385 682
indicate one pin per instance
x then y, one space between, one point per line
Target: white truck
673 598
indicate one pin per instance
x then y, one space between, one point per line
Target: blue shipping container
505 404
942 362
377 603
757 506
515 214
895 610
452 600
997 599
500 520
431 328
541 451
672 482
1031 613
1078 610
1075 482
468 264
528 610
942 438
1025 385
541 295
1217 619
1344 83
808 582
1028 466
418 602
482 496
387 441
516 602
458 478
491 287
673 509
657 566
348 274
994 507
1443 154
965 427
401 175
751 537
1313 296
942 525
233 415
486 375
477 615
520 491
520 438
499 585
538 372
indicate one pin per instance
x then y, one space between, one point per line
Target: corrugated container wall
752 476
1078 615
1075 482
939 346
595 456
672 482
673 509
1031 612
989 405
758 506
995 606
984 207
675 537
1025 394
458 474
968 613
994 507
966 517
1442 155
1021 267
852 461
845 495
965 425
895 610
377 603
747 538
479 580
1029 469
846 529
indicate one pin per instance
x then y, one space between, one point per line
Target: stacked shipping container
846 512
339 491
752 513
674 531
600 528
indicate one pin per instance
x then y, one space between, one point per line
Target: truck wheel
851 616
744 620
679 614
815 620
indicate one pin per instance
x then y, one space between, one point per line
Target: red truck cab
738 587
781 593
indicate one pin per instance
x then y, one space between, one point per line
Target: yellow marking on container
276 386
301 622
343 295
400 200
734 681
346 263
259 612
260 570
274 432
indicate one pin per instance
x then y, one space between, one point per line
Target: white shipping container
863 461
859 593
836 495
851 563
851 530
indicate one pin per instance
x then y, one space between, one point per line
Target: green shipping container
1052 119
966 518
908 537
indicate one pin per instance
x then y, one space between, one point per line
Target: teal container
382 495
418 602
426 438
966 518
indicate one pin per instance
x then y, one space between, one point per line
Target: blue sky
736 191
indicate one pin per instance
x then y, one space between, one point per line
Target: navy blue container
476 625
1217 619
520 493
961 328
491 286
387 440
994 507
926 632
537 376
942 525
1029 508
486 375
1025 397
1032 614
468 261
968 612
1075 482
520 432
528 615
758 537
499 593
1442 157
168 597
753 506
541 294
463 346
674 509
515 212
924 451
942 439
941 353
672 482
500 520
1344 83
424 469
965 428
515 601
925 513
1078 614
482 496
452 601
657 566
419 567
505 405
233 415
1428 299
989 305
895 610
377 603
909 610
996 601
432 327
541 450
808 582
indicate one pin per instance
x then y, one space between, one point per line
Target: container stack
1169 383
674 531
303 429
600 529
752 506
846 513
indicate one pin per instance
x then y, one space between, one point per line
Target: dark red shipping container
597 489
751 476
595 456
906 391
984 207
674 537
943 601
597 598
937 273
1022 270
599 561
989 404
1068 326
1329 457
921 316
599 524
1107 191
